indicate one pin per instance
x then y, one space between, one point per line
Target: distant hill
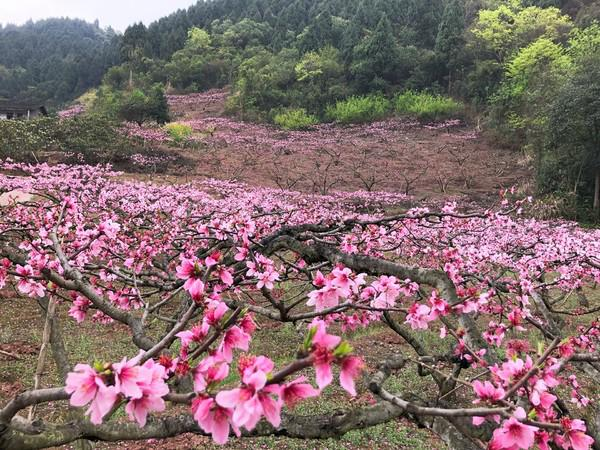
54 60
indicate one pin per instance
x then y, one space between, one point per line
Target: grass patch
392 435
295 119
179 132
359 109
426 106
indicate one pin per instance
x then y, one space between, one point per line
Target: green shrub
295 119
359 109
88 138
426 106
93 139
18 138
179 132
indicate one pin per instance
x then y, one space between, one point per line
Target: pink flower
513 369
82 384
264 270
109 228
297 390
151 381
102 404
486 391
319 280
340 283
195 287
27 286
85 385
191 271
209 370
566 349
213 259
187 268
215 312
196 334
542 439
323 345
127 375
574 435
513 434
250 405
418 316
327 297
351 368
247 324
267 279
212 418
234 338
341 279
439 306
242 254
225 276
540 397
138 409
4 266
389 291
255 398
79 309
495 333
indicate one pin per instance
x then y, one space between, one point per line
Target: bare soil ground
399 155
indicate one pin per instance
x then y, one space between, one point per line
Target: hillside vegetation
526 71
54 60
304 224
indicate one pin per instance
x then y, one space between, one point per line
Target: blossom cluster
105 386
180 101
146 133
73 111
223 253
143 160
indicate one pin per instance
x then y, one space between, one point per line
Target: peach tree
495 311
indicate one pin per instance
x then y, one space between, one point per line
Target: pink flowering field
234 305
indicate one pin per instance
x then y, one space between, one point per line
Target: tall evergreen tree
450 41
350 39
158 108
376 58
317 35
366 15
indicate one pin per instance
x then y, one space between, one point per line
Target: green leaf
309 338
342 350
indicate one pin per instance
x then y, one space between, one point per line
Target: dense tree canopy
54 60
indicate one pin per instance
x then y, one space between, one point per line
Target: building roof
16 106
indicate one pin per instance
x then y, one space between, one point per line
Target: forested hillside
417 20
54 60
